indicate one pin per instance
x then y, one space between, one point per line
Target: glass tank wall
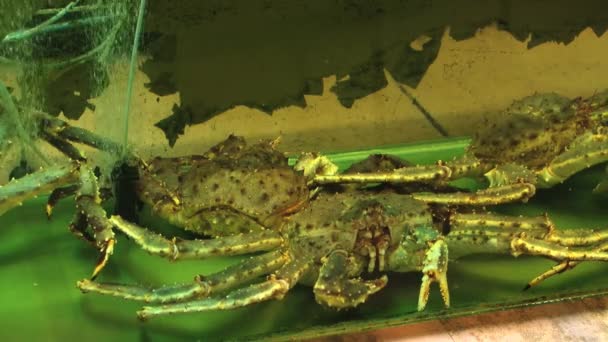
346 78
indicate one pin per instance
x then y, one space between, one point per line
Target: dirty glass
509 82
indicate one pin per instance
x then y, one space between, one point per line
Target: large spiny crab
538 142
205 194
335 241
234 187
231 188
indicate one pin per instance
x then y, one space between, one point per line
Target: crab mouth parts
373 238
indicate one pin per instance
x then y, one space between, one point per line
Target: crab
538 142
337 243
232 188
214 193
250 200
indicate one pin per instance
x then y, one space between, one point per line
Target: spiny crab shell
536 129
233 188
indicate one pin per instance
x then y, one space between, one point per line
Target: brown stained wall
470 79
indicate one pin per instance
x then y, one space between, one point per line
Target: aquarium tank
285 170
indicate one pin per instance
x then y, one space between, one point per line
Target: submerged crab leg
334 289
557 269
572 238
63 146
154 243
435 173
496 232
59 131
578 237
88 204
57 195
275 287
78 227
35 184
203 286
467 166
587 150
530 235
424 173
537 236
492 196
87 200
560 268
533 246
438 173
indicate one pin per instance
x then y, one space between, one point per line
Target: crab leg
461 167
567 264
438 173
334 289
63 146
581 237
59 134
78 227
587 150
560 268
74 154
487 233
35 184
537 236
412 174
58 130
578 237
492 196
532 246
557 269
467 166
88 204
57 195
87 200
192 249
275 287
203 286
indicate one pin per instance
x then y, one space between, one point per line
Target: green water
40 262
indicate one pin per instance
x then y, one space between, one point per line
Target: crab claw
335 289
313 164
348 293
106 251
435 270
